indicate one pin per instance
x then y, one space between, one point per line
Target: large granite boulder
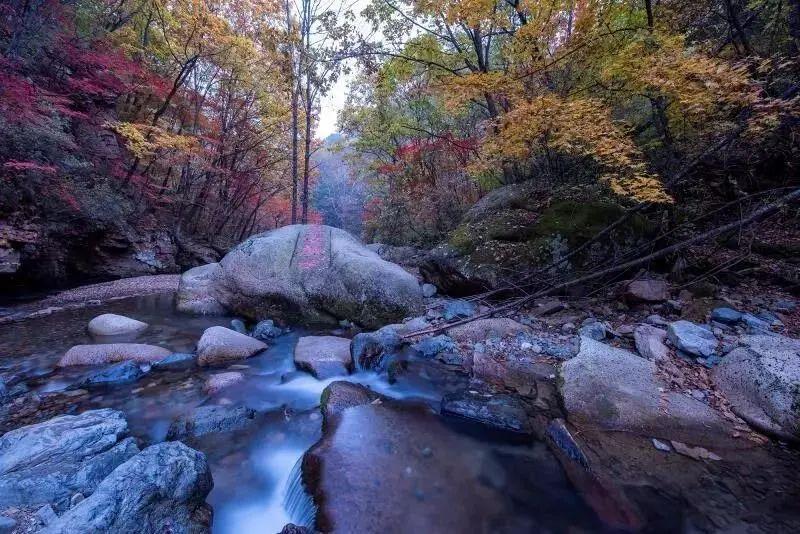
49 462
161 489
762 382
306 272
614 389
112 353
220 346
323 356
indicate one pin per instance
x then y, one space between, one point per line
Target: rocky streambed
570 416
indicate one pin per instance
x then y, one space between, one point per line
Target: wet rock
726 315
237 325
323 356
210 420
431 346
340 395
755 325
593 329
481 329
614 389
691 338
110 324
647 291
196 291
313 273
649 342
117 374
48 462
112 353
458 309
428 290
161 489
697 453
762 382
216 383
177 361
266 330
499 412
561 437
373 350
397 471
220 346
294 529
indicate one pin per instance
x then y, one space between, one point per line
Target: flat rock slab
762 382
111 324
323 356
305 272
387 469
613 389
210 420
220 346
112 353
161 489
48 462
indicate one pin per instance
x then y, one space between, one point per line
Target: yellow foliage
578 127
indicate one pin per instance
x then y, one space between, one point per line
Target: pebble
660 445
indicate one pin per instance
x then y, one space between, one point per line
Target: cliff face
47 252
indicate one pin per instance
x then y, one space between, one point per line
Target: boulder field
313 273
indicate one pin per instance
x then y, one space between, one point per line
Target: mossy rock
509 234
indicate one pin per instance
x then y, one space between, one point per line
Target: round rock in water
323 356
220 346
111 324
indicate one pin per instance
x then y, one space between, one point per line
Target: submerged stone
121 373
499 412
210 420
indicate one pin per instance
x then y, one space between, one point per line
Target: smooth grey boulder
219 346
196 291
111 324
112 353
614 389
692 338
161 489
323 356
762 382
726 315
371 351
306 272
48 462
210 420
266 330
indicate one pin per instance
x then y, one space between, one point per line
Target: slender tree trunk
648 6
307 152
294 105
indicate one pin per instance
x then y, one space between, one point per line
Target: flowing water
257 483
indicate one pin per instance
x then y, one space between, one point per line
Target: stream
257 486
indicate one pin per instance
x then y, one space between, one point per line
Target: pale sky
330 106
